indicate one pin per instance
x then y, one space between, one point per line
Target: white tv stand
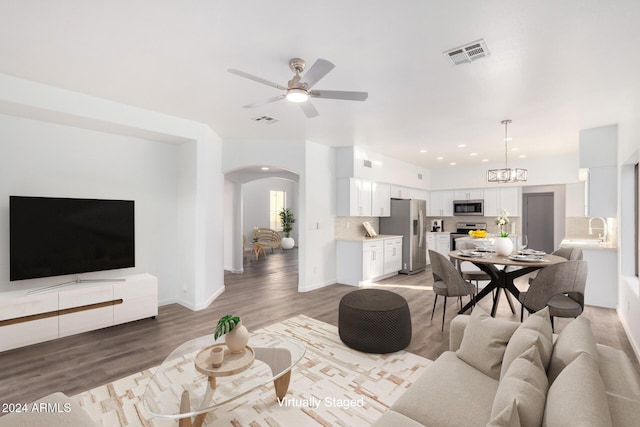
29 318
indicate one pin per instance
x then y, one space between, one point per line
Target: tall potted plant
287 219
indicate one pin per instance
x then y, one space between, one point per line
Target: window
277 199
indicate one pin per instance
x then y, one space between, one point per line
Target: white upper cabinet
472 194
399 192
496 199
576 203
353 197
603 184
380 199
441 203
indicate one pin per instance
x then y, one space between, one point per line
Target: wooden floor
265 293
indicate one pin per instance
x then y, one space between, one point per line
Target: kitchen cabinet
380 199
441 203
602 193
399 192
496 199
472 194
439 242
353 197
392 255
362 261
576 201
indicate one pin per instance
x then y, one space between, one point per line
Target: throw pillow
526 382
484 342
536 330
577 397
508 417
575 338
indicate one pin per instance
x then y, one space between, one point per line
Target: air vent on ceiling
419 176
265 119
469 52
367 163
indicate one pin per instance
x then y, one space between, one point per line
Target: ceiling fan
299 91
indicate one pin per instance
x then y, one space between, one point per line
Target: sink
583 241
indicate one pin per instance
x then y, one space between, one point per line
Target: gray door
537 220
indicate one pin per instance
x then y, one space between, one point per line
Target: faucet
603 236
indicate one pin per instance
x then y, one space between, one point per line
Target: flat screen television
52 236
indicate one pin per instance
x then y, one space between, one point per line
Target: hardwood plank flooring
265 293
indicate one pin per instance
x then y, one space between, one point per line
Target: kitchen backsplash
514 226
346 227
578 228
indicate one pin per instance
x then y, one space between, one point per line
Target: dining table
503 270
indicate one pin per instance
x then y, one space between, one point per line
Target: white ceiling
555 67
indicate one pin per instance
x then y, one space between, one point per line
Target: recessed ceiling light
423 151
452 163
473 154
508 139
264 168
522 156
485 160
439 158
462 145
515 149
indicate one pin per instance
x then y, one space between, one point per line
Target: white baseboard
318 285
634 344
201 306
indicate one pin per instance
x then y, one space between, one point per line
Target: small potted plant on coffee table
235 333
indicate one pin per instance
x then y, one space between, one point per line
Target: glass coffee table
180 390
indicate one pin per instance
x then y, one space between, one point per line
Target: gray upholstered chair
447 282
470 275
553 287
570 254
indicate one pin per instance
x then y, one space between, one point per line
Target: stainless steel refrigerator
408 219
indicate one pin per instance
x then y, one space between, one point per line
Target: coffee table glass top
275 355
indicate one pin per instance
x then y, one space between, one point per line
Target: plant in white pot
236 335
503 244
287 219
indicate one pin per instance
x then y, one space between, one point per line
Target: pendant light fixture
506 174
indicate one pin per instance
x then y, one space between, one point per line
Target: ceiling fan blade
339 94
318 70
309 110
266 101
255 78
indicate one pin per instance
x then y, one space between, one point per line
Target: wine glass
523 242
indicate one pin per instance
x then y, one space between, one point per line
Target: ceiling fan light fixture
297 95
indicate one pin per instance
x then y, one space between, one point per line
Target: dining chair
553 287
570 254
447 282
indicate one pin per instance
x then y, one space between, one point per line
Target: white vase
237 339
288 242
503 246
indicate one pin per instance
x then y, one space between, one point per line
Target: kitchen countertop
587 244
368 239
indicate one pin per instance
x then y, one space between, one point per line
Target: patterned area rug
332 385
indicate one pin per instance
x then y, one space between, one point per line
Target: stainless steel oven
468 207
462 230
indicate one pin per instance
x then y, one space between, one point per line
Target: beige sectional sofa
502 373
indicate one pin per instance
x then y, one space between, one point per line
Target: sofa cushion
526 382
508 417
576 338
617 372
536 330
577 396
484 342
58 410
449 393
624 412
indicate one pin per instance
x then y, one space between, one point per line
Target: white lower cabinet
438 242
360 262
31 318
392 255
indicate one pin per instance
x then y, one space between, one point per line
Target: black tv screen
54 236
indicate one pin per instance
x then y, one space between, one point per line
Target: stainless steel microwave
468 207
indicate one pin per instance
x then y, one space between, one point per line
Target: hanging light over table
506 174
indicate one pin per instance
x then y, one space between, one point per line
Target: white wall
197 250
255 203
228 209
549 171
43 159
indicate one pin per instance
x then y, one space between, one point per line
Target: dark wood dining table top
494 258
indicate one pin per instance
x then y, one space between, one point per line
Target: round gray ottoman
374 321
